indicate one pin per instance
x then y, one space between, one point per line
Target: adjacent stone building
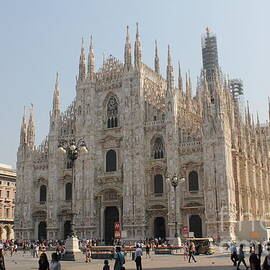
7 201
140 127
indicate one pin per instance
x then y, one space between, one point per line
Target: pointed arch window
158 184
158 148
111 161
193 181
42 193
112 113
68 191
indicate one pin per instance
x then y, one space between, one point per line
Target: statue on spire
23 135
56 97
31 129
91 59
127 52
137 49
82 65
157 68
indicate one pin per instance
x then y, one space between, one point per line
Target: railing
154 123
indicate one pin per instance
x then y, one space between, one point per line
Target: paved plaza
168 262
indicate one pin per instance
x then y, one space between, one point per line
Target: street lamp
72 148
175 180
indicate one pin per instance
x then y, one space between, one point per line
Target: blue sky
39 38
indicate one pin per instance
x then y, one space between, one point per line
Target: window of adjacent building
8 183
158 148
112 113
43 193
0 193
8 193
158 184
193 181
68 191
7 212
111 161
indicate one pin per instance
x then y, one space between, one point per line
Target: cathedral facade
140 128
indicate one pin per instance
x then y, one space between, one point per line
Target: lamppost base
72 249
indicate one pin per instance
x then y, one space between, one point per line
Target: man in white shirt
138 257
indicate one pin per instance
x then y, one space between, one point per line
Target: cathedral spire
127 52
180 80
170 76
82 65
56 97
91 58
23 135
31 129
157 68
137 49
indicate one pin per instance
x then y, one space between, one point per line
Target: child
106 265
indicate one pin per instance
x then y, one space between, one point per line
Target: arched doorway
195 225
111 216
159 228
67 229
42 231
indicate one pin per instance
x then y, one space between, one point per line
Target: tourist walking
119 259
234 254
266 263
191 251
147 251
106 265
241 257
88 254
43 262
138 257
254 261
2 261
55 264
186 248
259 251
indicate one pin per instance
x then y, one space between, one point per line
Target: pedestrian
119 259
43 262
36 249
260 250
266 263
147 251
138 257
234 254
185 251
191 251
2 261
241 257
106 265
55 264
254 261
87 254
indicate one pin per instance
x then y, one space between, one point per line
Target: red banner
117 234
185 228
117 226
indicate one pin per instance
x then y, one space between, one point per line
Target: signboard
117 234
185 228
191 234
117 226
124 234
185 234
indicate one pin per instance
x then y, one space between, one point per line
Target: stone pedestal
72 249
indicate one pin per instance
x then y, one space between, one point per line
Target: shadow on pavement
225 267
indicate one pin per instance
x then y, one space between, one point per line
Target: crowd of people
38 249
255 254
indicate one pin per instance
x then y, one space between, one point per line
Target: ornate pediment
111 141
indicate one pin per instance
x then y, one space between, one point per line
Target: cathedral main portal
111 215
